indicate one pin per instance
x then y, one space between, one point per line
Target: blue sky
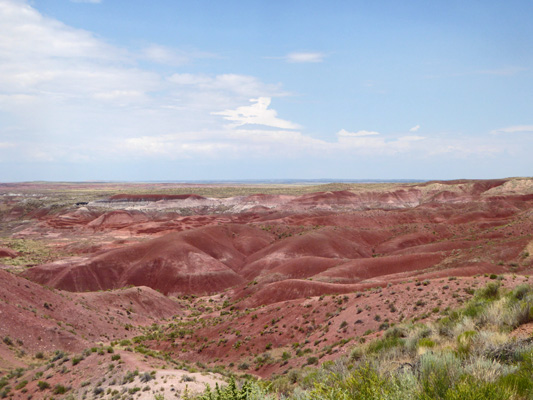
167 90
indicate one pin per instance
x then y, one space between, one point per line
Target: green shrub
521 291
425 342
471 389
146 377
356 354
364 383
520 380
248 390
490 292
76 360
21 385
60 389
243 366
439 372
386 343
312 360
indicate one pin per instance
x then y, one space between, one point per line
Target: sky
282 89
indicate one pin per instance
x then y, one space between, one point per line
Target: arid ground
110 289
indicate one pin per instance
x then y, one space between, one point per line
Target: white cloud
223 143
256 114
243 85
165 55
344 133
67 96
76 86
120 95
27 35
45 58
304 57
264 142
414 128
170 56
514 129
505 71
411 138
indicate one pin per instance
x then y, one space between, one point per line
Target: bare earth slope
199 261
214 275
341 237
39 318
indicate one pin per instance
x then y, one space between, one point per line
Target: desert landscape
153 290
266 200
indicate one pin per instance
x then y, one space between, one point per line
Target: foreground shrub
438 372
248 391
365 383
471 389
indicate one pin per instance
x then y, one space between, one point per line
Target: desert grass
466 354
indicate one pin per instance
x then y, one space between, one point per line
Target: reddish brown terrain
212 276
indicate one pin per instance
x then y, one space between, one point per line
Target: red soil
385 268
152 197
209 253
200 261
45 319
4 253
117 219
284 255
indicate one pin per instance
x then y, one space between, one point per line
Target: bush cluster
467 354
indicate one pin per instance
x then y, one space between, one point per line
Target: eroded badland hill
109 288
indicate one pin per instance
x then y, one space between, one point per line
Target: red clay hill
305 245
217 274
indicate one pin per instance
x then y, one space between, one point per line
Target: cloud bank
256 114
69 97
304 57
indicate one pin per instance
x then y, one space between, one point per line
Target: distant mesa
152 197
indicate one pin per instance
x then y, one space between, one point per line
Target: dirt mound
197 261
143 301
118 219
384 268
291 289
80 217
5 253
35 318
325 243
405 241
299 268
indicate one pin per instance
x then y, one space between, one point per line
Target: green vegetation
468 354
30 252
42 385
